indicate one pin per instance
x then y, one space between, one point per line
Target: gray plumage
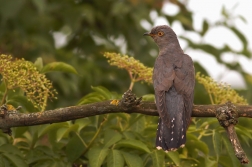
173 80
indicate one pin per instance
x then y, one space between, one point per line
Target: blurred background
78 32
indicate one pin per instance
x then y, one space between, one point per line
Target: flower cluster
137 71
219 93
18 73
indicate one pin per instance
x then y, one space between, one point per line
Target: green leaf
74 148
111 137
64 132
158 158
174 156
82 123
91 98
230 152
131 143
210 163
115 159
22 101
226 161
8 148
193 144
39 63
205 27
240 36
52 127
217 143
139 125
97 156
148 97
242 18
15 160
132 160
58 66
103 91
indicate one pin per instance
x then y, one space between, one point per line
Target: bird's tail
168 138
171 132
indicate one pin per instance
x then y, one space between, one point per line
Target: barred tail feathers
171 132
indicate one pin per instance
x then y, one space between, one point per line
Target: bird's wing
184 84
163 77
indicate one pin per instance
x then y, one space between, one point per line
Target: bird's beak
147 34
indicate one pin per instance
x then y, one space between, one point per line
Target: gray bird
173 80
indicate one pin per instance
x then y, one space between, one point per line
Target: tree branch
15 119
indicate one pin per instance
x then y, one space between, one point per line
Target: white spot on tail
172 125
171 139
159 148
172 132
159 139
182 136
182 129
182 146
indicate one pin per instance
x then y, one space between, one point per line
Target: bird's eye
160 33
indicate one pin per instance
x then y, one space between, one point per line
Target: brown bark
75 112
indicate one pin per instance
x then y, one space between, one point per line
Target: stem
95 136
211 97
131 84
5 94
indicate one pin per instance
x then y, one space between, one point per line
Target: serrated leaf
52 127
91 98
139 125
111 137
132 160
82 123
131 143
217 143
102 91
8 148
74 148
15 160
244 131
210 163
39 63
230 152
64 132
158 158
58 66
194 143
115 159
174 156
97 156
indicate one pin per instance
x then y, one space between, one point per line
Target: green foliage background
93 27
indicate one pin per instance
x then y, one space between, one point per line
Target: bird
173 81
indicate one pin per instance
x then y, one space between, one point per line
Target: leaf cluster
137 71
18 73
219 93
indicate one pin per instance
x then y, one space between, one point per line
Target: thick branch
76 112
228 118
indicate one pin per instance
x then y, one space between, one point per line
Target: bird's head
163 35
